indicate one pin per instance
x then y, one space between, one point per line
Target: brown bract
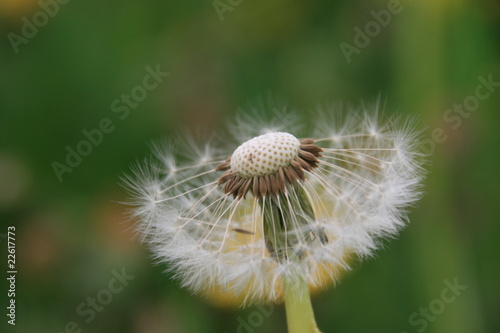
271 184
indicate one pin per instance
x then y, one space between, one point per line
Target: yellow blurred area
15 9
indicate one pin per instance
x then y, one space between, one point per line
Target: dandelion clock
271 213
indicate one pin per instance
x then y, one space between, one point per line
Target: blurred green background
72 235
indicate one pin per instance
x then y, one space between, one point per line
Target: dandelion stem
299 311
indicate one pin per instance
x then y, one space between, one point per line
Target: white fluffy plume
368 173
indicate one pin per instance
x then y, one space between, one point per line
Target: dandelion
273 213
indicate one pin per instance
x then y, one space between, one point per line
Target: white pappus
234 218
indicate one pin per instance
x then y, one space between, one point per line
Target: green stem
299 311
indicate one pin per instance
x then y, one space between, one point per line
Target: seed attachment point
265 164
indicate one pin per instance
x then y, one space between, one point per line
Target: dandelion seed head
238 219
265 154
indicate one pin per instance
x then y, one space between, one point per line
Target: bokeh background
73 234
